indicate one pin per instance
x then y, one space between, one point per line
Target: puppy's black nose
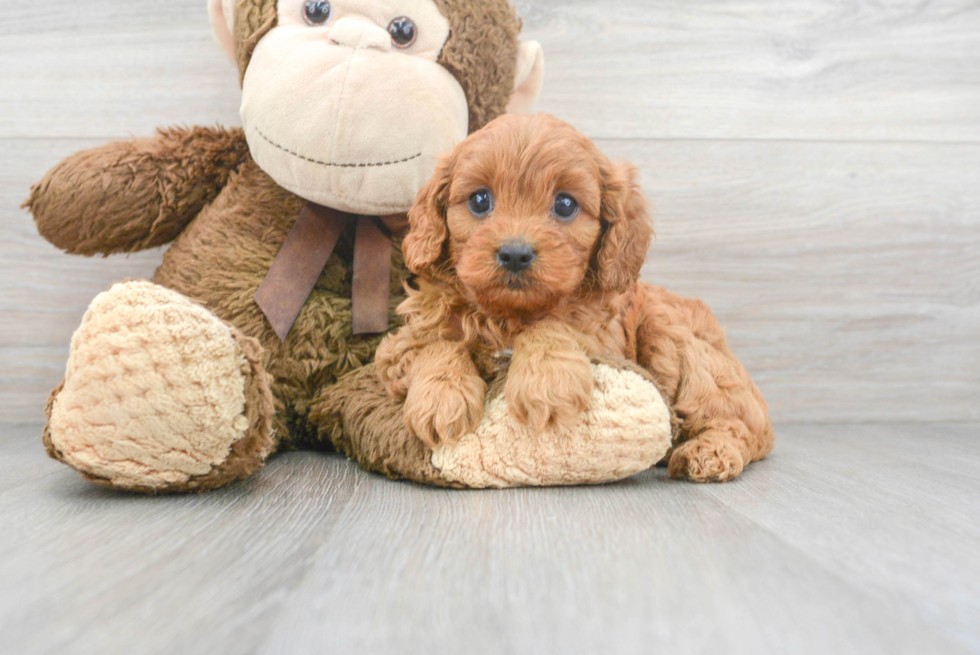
515 256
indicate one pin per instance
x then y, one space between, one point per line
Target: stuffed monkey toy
284 269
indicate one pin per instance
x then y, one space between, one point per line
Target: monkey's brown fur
228 219
579 299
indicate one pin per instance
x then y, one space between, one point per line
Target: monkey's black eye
565 206
317 13
403 32
481 203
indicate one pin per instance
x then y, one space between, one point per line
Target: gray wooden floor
850 539
815 167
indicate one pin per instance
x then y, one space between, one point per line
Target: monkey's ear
222 14
528 79
424 243
628 229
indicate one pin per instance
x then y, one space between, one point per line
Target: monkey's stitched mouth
335 164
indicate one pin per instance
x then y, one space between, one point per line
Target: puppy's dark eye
403 32
565 207
317 13
481 203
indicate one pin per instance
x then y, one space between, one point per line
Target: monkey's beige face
344 102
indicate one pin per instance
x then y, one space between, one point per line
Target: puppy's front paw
549 388
444 405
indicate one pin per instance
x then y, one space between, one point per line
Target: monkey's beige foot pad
625 430
160 395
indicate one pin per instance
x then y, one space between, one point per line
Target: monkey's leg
625 430
160 396
724 420
364 422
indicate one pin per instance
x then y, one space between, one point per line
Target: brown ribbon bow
300 261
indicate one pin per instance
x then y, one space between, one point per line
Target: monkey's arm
133 195
395 358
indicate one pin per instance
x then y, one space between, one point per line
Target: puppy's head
527 212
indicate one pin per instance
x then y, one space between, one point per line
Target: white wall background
815 165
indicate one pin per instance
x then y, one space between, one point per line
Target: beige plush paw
625 429
160 395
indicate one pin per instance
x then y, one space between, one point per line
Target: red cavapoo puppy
528 241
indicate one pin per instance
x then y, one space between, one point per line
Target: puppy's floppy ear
423 245
628 229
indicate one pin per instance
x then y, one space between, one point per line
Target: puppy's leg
549 382
394 359
725 423
445 394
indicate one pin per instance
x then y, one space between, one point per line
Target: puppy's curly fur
578 297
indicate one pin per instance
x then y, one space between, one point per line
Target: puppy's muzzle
516 256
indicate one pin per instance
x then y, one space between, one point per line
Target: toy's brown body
225 235
225 238
320 347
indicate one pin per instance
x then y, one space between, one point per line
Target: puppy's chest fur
597 324
493 355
